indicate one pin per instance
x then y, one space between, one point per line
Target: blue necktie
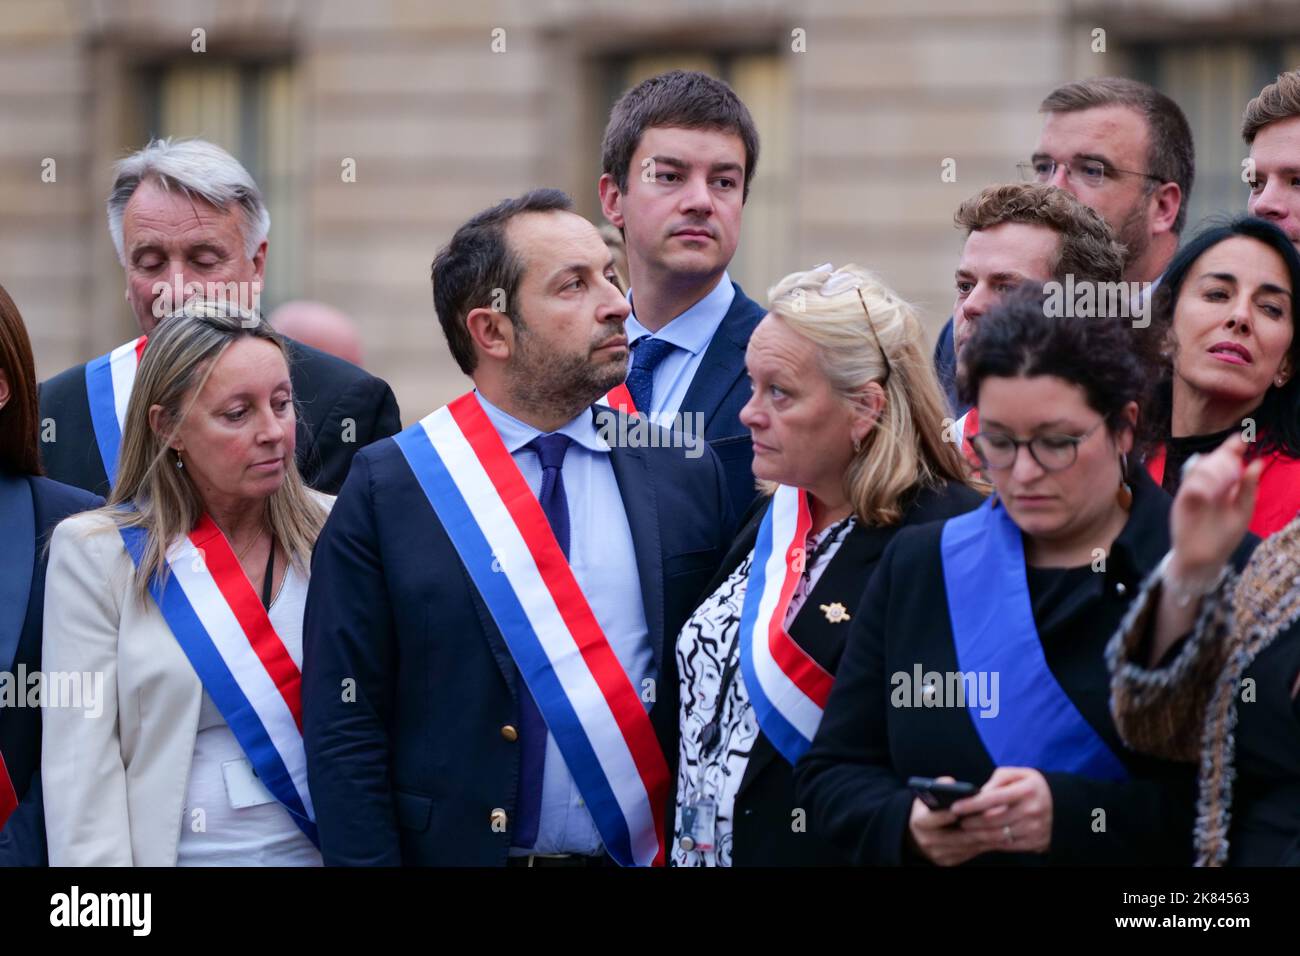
647 353
532 728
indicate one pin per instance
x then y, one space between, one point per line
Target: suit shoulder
64 385
747 309
321 366
915 543
83 525
58 500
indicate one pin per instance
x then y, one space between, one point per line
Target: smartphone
940 796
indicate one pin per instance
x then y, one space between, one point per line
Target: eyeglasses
1052 452
1092 172
876 335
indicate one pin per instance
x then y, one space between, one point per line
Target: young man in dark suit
678 156
186 219
489 675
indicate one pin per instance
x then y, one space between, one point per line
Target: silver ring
1187 465
1007 834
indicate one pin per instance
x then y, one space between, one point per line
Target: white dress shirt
691 332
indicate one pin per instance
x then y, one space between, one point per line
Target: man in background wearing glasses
1123 149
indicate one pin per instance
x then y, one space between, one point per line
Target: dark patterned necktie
647 353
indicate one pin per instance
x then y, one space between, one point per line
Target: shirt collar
516 434
693 330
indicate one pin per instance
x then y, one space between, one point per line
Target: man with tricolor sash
488 671
187 220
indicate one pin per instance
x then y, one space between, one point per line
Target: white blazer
114 784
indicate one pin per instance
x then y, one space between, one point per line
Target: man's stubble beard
561 386
1135 234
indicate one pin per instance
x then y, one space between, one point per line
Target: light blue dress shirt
603 558
691 332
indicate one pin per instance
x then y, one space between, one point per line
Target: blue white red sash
589 704
788 689
620 398
220 623
109 379
1036 724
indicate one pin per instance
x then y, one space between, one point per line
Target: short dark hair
685 98
478 261
1021 337
20 417
1170 154
1278 419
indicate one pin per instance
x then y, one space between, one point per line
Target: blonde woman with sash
847 422
180 603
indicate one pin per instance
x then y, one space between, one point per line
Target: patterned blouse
707 659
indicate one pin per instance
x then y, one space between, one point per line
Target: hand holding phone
940 795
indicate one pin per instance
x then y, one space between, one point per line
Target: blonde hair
159 497
905 450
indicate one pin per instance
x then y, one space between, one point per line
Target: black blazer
411 772
720 390
853 779
22 841
762 834
329 393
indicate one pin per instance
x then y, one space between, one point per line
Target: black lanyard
270 573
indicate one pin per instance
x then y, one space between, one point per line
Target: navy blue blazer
945 365
22 610
329 393
408 683
720 390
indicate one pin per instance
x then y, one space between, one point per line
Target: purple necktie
532 728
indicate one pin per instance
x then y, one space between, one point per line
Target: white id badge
699 818
243 788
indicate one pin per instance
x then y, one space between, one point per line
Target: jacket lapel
724 360
17 562
637 488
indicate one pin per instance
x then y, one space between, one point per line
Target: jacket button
498 819
509 733
1121 589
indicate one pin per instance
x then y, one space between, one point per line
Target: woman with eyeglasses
847 422
975 663
1224 317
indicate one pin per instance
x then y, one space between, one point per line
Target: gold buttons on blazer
498 819
509 733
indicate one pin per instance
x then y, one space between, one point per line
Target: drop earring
1124 495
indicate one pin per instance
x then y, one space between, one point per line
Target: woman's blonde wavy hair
151 492
906 448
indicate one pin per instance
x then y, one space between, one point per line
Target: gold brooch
835 613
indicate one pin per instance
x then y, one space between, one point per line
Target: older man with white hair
187 219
